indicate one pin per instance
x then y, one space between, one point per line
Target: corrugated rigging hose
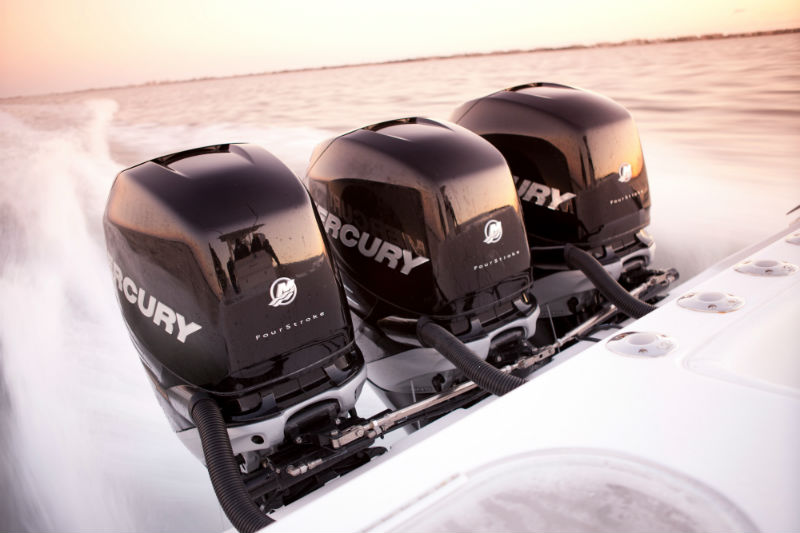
223 469
608 286
483 374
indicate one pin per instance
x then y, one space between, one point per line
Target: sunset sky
54 46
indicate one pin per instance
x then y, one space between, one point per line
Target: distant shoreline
630 42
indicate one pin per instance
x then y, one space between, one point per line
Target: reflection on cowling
247 249
221 278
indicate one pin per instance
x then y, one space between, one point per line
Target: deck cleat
766 267
645 343
711 301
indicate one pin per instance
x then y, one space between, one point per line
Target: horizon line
605 44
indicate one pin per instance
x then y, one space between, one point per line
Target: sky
56 46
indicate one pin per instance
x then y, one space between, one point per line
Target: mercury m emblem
282 291
625 173
493 230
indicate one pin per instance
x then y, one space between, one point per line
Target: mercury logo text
539 194
370 246
162 315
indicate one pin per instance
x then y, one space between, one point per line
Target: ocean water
83 443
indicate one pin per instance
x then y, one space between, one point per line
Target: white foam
90 441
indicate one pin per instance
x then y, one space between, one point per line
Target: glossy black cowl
559 142
423 219
225 281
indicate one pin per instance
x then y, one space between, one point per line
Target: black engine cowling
226 285
423 220
580 174
576 159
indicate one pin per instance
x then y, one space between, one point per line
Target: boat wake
82 442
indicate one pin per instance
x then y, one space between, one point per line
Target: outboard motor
230 296
580 175
427 231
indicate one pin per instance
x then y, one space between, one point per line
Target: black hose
483 374
223 469
608 286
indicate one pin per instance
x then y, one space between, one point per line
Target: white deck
705 437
